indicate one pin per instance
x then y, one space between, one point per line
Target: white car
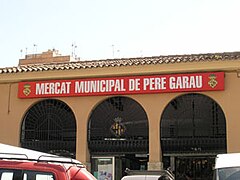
227 167
148 175
141 177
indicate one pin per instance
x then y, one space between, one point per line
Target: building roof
227 160
123 62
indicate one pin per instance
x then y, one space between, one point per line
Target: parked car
227 167
148 175
23 164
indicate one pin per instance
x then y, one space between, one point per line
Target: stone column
153 106
155 165
155 154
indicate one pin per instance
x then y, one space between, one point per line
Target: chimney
50 56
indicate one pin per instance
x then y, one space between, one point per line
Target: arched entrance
193 131
118 127
50 126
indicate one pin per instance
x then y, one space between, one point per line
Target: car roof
227 160
18 153
141 177
31 154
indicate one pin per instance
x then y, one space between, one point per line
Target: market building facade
144 113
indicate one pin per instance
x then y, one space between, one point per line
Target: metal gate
194 168
193 131
118 125
193 124
50 126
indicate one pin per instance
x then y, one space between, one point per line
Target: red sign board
213 81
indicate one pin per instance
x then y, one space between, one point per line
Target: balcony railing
193 145
118 146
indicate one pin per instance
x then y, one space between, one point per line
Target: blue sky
102 29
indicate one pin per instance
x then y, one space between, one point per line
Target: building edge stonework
13 109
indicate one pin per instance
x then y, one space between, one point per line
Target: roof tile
123 62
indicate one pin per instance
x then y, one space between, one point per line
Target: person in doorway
185 176
188 176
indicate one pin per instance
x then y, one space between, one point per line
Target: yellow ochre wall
12 109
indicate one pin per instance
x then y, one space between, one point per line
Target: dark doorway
114 167
195 168
193 125
50 126
118 127
130 161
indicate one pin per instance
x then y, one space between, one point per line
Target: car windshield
231 173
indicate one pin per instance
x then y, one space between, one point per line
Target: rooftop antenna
113 50
74 46
21 51
26 50
118 52
34 49
72 49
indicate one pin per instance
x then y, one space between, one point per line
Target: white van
227 167
148 175
141 177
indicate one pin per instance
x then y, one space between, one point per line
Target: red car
25 166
